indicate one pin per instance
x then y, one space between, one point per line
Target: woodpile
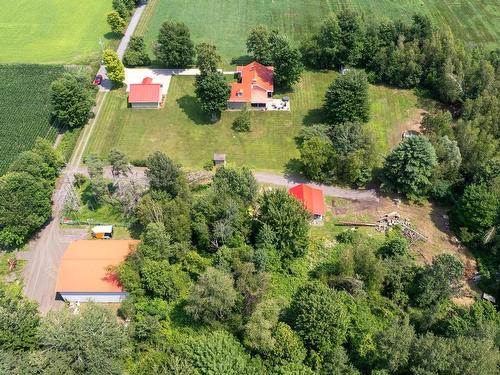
393 219
389 221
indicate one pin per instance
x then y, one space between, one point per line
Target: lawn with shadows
186 134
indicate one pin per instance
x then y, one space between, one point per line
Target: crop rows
24 108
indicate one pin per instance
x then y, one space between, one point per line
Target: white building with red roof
145 95
254 86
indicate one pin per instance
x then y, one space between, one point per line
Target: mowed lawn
52 31
226 22
183 132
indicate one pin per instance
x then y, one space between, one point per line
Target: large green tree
319 317
116 22
269 47
174 48
438 281
93 341
347 98
160 279
238 183
213 297
259 44
136 54
213 92
409 167
287 62
114 67
207 58
288 220
24 207
72 98
163 173
217 353
477 210
19 322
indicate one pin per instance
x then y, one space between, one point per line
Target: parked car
98 79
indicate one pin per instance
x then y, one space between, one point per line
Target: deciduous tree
174 48
207 58
116 22
288 220
213 297
72 98
24 207
114 67
213 91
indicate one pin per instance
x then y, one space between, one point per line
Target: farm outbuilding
86 271
311 198
219 159
145 95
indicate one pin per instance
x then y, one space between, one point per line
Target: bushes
242 123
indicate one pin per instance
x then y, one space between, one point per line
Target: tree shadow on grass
314 116
191 107
242 60
113 36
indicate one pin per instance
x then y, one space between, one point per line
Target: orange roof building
145 95
311 198
84 273
255 86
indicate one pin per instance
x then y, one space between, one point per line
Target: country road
46 249
269 178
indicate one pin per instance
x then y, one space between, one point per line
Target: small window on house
239 93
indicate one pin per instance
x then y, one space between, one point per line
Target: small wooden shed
219 159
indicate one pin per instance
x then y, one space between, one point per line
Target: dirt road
45 251
331 191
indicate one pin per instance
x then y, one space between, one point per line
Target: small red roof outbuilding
145 92
310 197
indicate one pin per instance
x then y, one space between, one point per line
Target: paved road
332 191
45 251
134 21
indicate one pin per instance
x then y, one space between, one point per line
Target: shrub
242 123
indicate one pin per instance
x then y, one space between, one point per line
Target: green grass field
182 131
52 31
226 22
24 108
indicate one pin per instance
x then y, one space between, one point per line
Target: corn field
24 108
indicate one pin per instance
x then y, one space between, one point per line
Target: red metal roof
311 198
85 265
145 92
253 77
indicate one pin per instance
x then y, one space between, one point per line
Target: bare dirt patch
413 123
428 219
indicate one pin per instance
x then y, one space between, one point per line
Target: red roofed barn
254 86
85 273
145 95
311 198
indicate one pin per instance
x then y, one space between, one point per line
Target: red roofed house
86 274
145 95
254 86
311 198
